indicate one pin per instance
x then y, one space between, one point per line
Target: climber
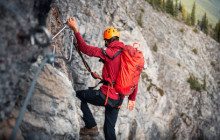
98 97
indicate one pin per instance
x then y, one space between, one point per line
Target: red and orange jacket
111 65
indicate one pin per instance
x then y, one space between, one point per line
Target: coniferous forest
178 11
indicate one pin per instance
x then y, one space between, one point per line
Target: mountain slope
166 106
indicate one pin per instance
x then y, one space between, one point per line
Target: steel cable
29 94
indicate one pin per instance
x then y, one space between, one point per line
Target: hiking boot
92 132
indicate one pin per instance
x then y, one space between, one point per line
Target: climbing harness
95 76
108 81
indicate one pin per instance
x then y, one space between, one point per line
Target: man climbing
112 61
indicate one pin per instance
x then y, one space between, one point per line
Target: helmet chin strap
106 43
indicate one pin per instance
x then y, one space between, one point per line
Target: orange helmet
111 32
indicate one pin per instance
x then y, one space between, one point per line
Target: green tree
199 23
188 19
161 4
167 6
164 4
217 31
193 14
205 24
170 7
176 11
183 13
140 21
156 2
180 7
152 2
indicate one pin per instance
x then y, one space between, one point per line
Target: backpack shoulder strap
117 53
113 56
105 53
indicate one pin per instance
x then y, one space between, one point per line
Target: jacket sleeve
133 95
89 50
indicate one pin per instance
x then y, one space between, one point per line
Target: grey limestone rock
166 106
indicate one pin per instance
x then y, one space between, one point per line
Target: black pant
96 97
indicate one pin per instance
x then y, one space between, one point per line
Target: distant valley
211 7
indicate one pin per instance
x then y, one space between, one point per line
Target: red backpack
132 63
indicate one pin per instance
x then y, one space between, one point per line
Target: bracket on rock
39 36
73 41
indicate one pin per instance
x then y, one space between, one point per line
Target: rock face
18 19
51 112
166 106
